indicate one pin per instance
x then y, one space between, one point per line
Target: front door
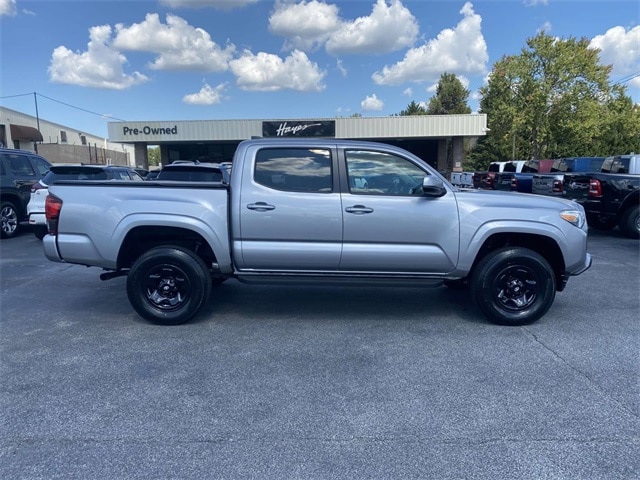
389 225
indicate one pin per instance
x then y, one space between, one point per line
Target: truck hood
480 207
501 199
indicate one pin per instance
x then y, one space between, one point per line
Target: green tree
555 100
450 98
413 109
153 155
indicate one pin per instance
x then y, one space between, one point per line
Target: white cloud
533 3
100 66
309 24
408 92
8 8
621 49
269 73
179 45
306 25
220 4
390 27
372 103
206 96
341 68
545 27
459 50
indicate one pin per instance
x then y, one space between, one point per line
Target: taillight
557 186
52 207
595 189
514 183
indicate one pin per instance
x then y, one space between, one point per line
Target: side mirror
432 186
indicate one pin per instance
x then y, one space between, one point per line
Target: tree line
553 100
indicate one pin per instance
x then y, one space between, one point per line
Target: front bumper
583 268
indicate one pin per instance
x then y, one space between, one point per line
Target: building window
63 136
83 139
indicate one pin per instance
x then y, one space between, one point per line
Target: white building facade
438 139
59 143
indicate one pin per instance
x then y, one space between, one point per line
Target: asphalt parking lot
317 382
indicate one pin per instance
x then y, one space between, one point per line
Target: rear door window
295 169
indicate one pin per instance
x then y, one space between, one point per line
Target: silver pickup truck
319 211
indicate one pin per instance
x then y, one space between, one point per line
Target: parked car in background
502 180
195 171
143 172
152 175
522 181
485 179
40 190
611 196
19 170
552 183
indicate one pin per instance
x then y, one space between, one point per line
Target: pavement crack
591 381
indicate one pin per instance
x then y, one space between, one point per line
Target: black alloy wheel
9 219
168 285
513 286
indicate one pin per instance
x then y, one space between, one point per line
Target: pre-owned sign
326 128
147 130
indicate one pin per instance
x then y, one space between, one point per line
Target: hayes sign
299 129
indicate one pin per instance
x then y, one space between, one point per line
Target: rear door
389 225
290 211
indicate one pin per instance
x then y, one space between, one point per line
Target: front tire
168 285
513 286
630 223
10 220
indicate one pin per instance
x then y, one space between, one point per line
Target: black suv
19 170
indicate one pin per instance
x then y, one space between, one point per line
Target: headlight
575 217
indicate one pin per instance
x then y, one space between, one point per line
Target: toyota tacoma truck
319 211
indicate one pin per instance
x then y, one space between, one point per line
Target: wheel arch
16 200
546 246
143 238
631 201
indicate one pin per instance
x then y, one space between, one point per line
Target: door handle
358 210
261 206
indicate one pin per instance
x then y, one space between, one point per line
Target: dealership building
437 139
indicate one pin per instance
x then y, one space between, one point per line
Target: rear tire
630 223
168 285
10 219
513 286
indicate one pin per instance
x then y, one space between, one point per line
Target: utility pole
35 99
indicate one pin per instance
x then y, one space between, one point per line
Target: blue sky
93 61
